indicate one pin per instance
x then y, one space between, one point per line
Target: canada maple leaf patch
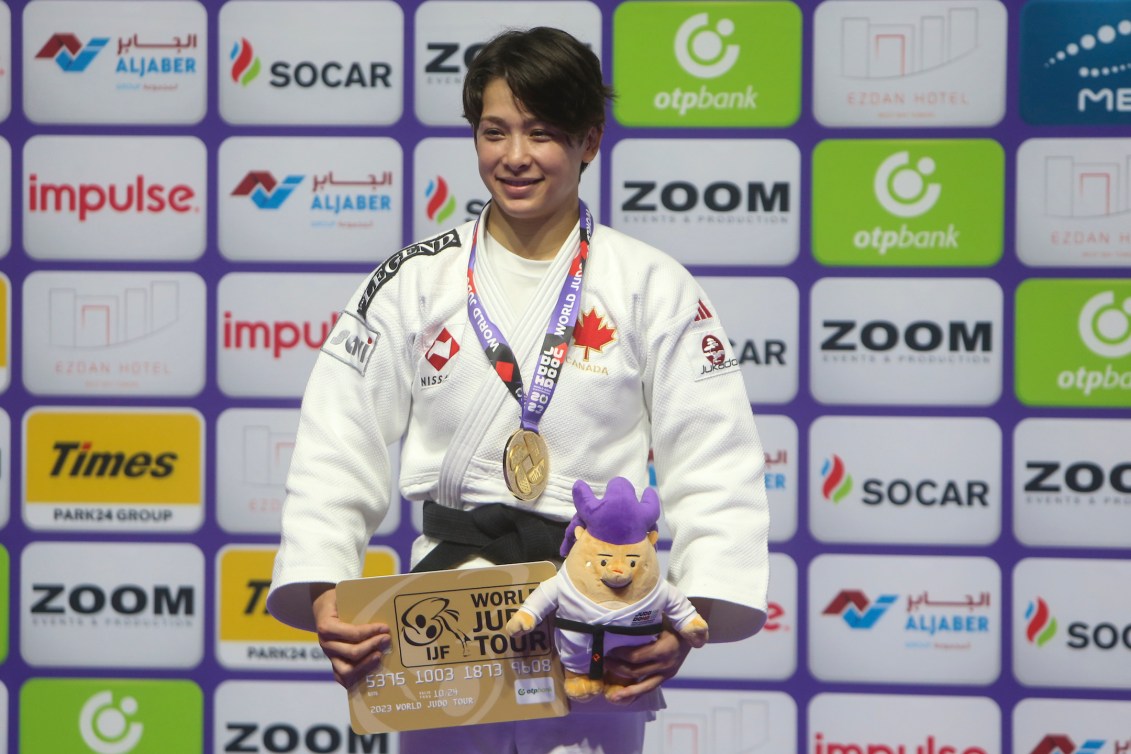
592 332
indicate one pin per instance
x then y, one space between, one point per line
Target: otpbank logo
1073 343
111 716
247 636
449 33
857 610
909 64
1073 202
680 64
107 197
141 604
1074 62
114 333
1071 726
69 53
280 197
901 203
906 340
330 62
908 618
113 469
114 62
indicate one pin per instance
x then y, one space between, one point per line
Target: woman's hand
352 650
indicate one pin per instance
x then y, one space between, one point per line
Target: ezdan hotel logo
1074 342
1076 62
899 203
707 64
69 53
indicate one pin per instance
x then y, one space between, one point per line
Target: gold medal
526 465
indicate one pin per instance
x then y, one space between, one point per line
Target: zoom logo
702 51
1106 328
902 190
106 727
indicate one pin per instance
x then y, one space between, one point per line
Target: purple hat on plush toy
619 518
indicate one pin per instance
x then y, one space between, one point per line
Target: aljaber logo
1041 625
69 53
1075 65
1106 328
857 610
902 190
106 728
1058 743
836 483
264 190
441 201
701 51
245 63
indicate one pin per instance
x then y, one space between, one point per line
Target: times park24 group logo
114 61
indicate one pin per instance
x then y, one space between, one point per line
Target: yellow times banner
76 456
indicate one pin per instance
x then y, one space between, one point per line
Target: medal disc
526 464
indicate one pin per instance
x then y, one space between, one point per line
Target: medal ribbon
555 344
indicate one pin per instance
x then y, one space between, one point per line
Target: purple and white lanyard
558 333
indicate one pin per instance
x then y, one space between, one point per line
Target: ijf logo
919 203
906 64
1073 203
1073 342
707 64
70 54
1075 65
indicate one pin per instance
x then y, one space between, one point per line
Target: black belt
497 532
597 654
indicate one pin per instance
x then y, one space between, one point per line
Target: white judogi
650 368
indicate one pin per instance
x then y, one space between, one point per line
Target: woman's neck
534 238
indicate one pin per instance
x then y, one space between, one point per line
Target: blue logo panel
1076 62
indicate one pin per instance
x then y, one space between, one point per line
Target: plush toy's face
606 571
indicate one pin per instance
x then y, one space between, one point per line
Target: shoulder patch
392 265
710 354
351 342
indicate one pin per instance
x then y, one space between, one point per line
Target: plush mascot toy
609 592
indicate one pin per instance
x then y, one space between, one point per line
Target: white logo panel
1078 726
5 64
448 34
778 434
448 191
906 341
710 201
271 326
263 716
253 455
5 331
6 199
114 197
114 333
711 720
761 320
108 61
870 480
1074 202
1072 623
5 467
310 200
909 64
334 62
883 723
771 654
139 604
1072 482
905 619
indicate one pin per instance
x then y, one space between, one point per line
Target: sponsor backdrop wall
914 217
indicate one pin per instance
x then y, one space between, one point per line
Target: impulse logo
245 63
69 53
931 746
275 337
264 190
857 610
441 202
1058 743
1041 626
836 483
140 196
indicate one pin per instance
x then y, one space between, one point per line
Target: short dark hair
554 76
